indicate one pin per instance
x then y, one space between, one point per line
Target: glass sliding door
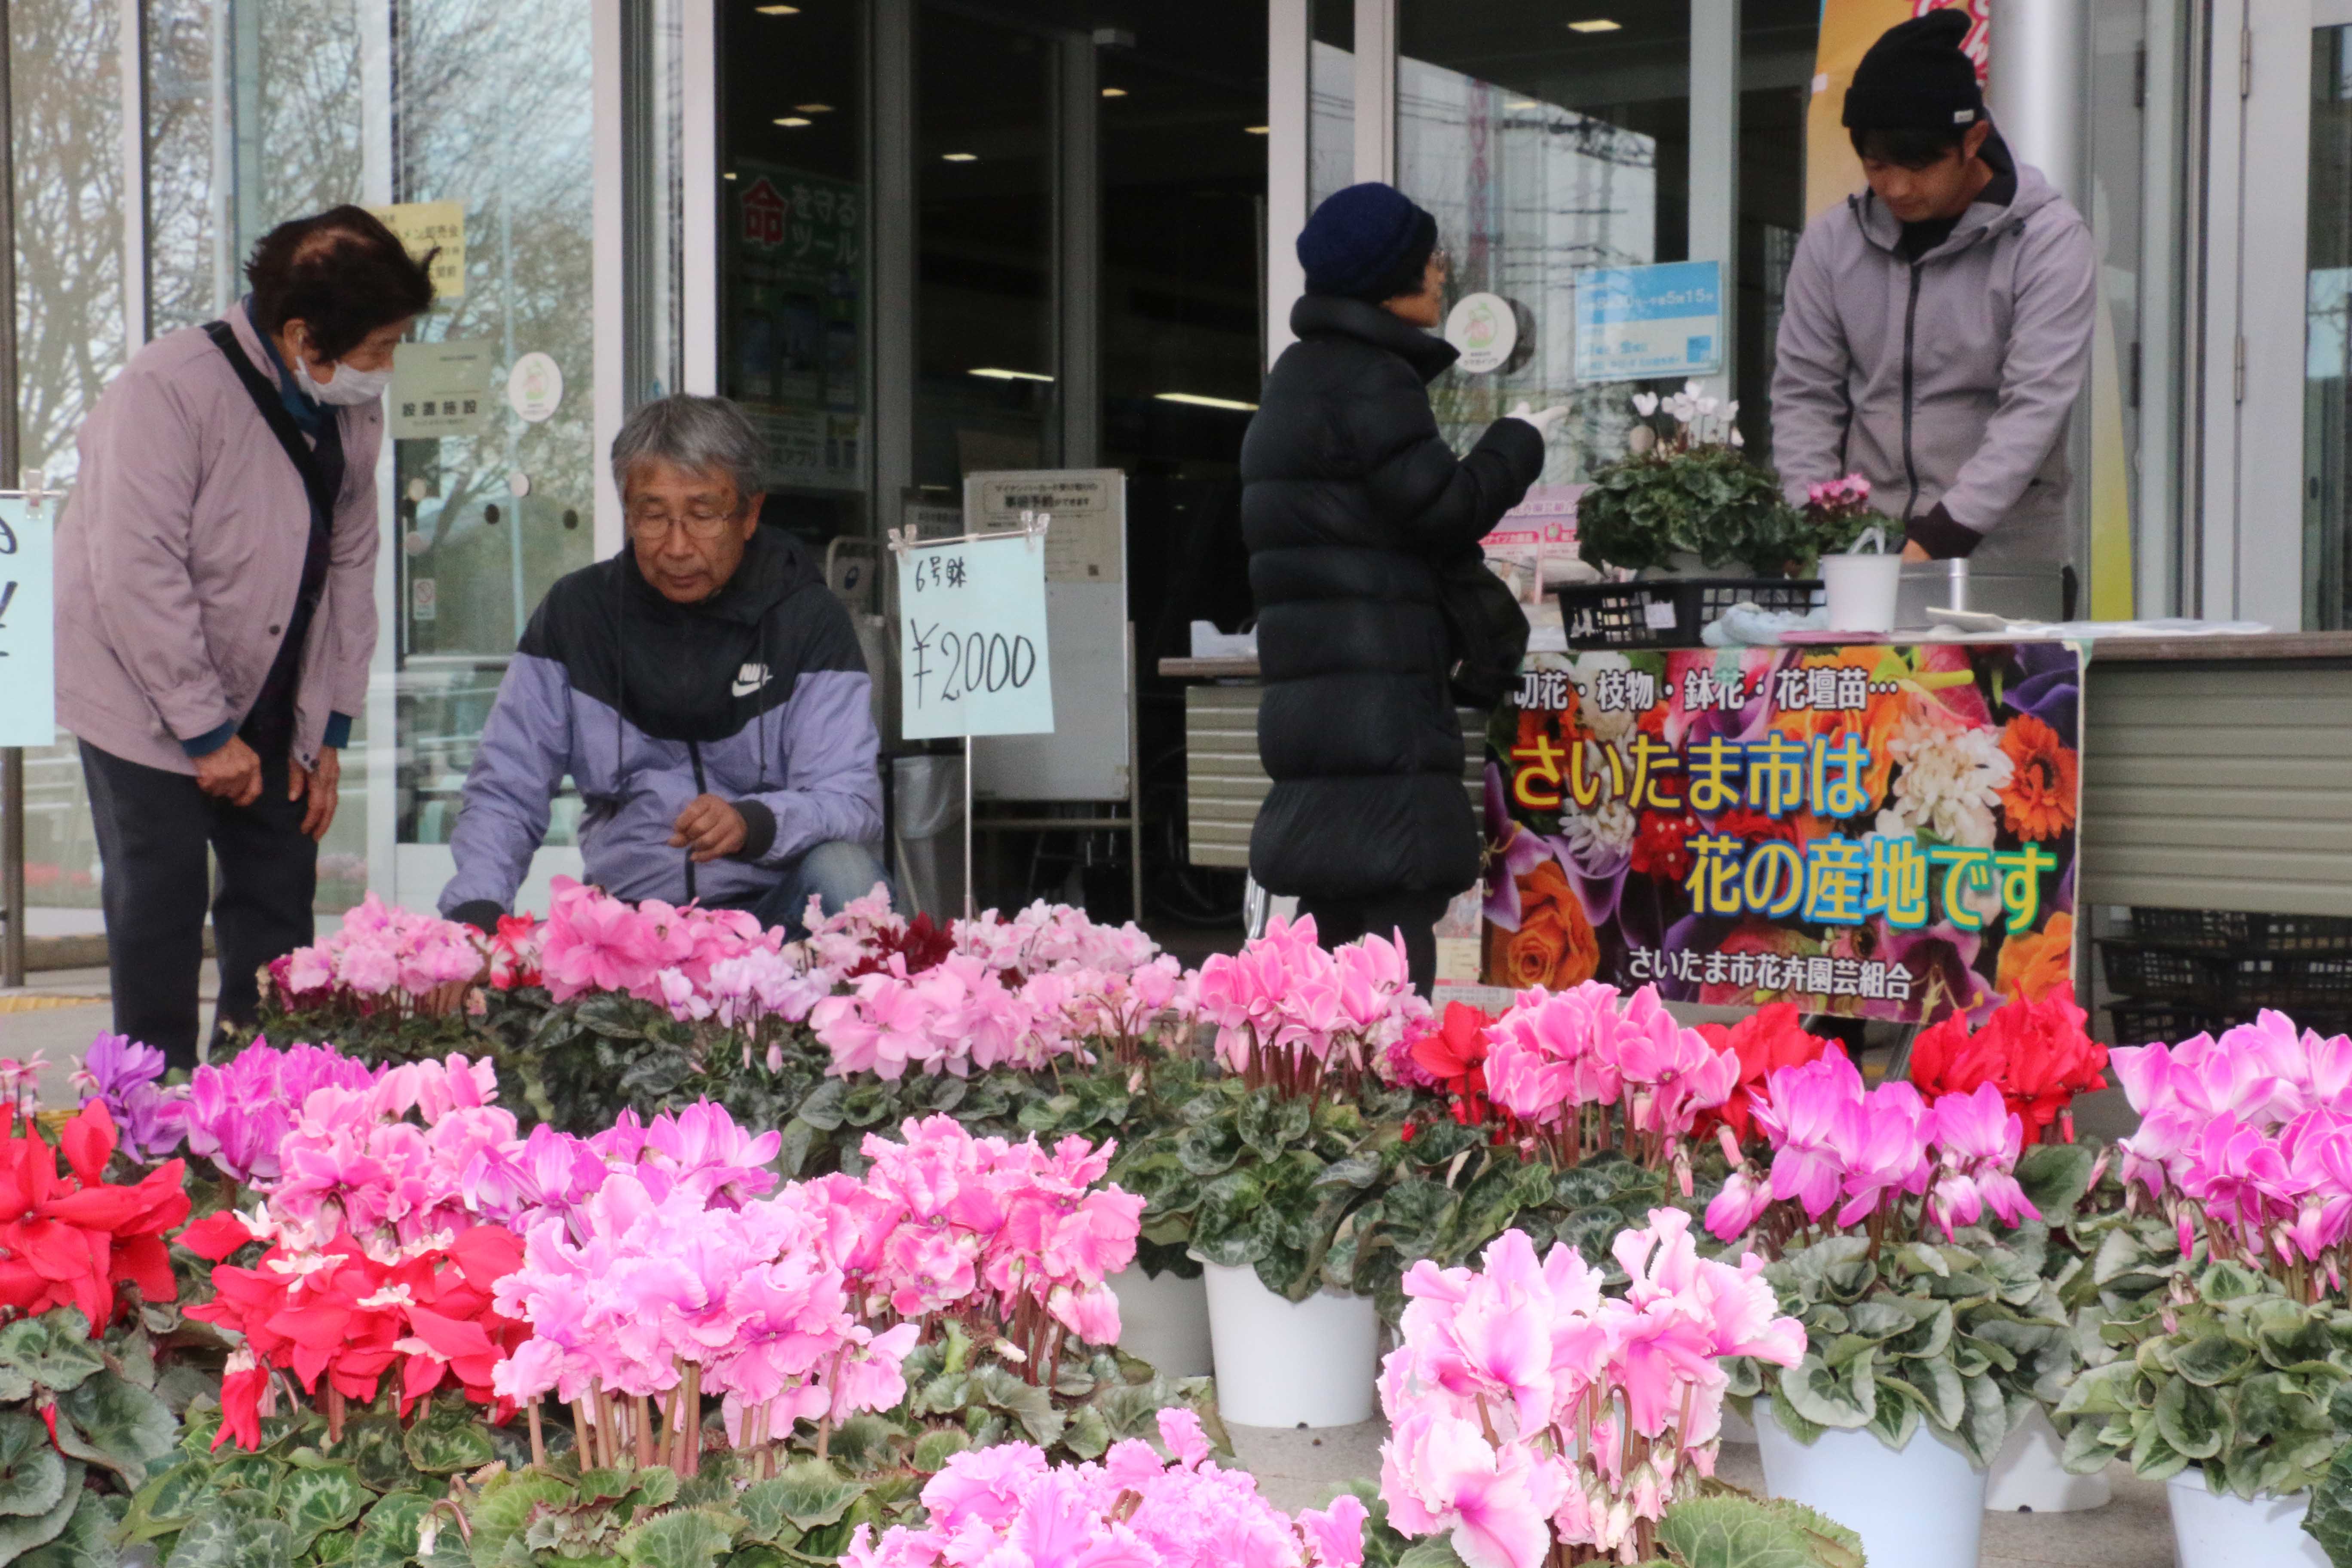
490 507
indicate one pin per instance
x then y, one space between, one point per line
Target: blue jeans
834 873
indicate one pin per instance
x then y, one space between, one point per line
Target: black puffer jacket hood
1352 504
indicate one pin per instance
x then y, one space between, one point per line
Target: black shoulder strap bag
1487 627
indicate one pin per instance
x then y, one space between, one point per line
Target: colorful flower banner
1879 831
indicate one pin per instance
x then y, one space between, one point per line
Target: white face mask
350 387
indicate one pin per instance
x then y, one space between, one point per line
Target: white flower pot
1164 1319
2027 1477
1920 1508
1291 1363
2228 1531
1861 591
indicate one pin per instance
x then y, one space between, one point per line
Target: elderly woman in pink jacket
215 584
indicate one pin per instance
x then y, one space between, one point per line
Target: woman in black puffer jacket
1352 507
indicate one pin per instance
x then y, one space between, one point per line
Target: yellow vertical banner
1848 29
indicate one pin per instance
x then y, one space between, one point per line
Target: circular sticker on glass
534 387
1484 327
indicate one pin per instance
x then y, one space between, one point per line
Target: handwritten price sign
971 639
28 686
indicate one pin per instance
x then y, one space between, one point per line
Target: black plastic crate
2165 973
2240 932
2146 1023
1670 612
2292 982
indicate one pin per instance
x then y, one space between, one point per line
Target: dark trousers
1341 920
153 829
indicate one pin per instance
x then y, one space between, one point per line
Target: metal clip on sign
1033 524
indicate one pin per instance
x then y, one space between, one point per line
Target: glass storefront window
988 361
795 347
493 115
2328 336
65 136
1544 147
1331 100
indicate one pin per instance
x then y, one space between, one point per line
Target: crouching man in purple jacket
703 689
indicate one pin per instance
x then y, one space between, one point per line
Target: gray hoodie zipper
1910 320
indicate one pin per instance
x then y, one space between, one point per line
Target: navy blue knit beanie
1368 242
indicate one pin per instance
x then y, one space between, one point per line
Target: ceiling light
1258 130
1197 400
959 157
727 175
1522 103
813 108
1114 92
993 374
777 10
1597 25
794 120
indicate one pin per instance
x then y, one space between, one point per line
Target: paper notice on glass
440 389
971 639
1640 323
422 226
1088 507
28 686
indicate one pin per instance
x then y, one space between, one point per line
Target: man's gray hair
702 434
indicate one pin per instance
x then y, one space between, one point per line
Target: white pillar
1375 90
1714 164
1290 111
2039 80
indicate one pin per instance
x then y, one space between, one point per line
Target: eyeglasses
1442 260
652 524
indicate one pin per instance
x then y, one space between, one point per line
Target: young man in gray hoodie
1937 326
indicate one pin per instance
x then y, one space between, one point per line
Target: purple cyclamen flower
121 1074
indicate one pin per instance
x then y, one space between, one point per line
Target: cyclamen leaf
815 1494
2329 1520
52 1350
1827 1397
315 1500
84 1542
1733 1532
690 1538
2190 1419
506 1508
119 1424
32 1475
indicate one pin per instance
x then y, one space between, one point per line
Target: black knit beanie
1915 79
1369 242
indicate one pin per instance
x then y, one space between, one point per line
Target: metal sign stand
1033 525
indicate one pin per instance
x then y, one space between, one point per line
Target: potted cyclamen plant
1860 585
2039 1056
1274 1161
1685 497
2219 1347
1931 1334
1536 1422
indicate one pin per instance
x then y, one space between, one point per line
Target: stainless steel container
2019 593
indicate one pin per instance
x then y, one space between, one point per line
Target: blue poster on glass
29 683
1641 323
971 638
